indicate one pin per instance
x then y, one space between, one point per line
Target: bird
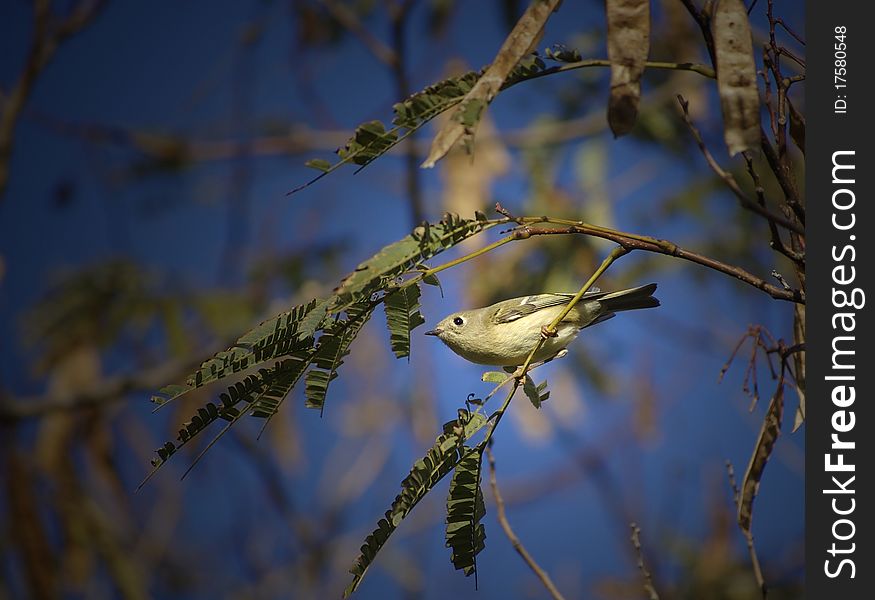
505 333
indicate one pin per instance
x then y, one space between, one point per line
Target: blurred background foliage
144 225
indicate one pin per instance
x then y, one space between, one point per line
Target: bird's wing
520 307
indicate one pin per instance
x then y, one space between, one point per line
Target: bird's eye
458 321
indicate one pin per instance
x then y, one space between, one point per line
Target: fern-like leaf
295 330
333 347
465 508
402 317
425 474
256 391
280 336
371 139
397 258
266 404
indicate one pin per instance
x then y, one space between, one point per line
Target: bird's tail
631 299
604 305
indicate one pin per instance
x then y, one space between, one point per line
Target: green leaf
431 279
266 404
426 241
271 339
423 106
318 163
295 330
465 508
425 474
561 53
402 317
369 141
536 393
259 390
333 347
313 320
494 377
470 113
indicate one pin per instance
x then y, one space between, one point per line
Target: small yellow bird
505 333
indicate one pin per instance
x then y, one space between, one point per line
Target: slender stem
350 21
514 540
727 177
498 414
469 256
703 70
614 255
755 562
652 594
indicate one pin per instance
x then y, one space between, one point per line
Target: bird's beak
437 331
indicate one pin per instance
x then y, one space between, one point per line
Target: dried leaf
520 41
628 48
769 433
736 76
799 365
799 417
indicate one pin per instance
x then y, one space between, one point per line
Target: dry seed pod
736 76
628 48
522 39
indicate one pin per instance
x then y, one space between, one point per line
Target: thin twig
704 22
797 37
350 21
776 242
648 579
730 180
779 161
514 540
748 536
730 471
784 175
46 40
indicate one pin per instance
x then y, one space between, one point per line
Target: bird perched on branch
505 333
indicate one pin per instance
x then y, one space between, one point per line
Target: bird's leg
548 333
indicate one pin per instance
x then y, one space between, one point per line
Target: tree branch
658 246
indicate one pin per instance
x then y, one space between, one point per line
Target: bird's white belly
513 342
